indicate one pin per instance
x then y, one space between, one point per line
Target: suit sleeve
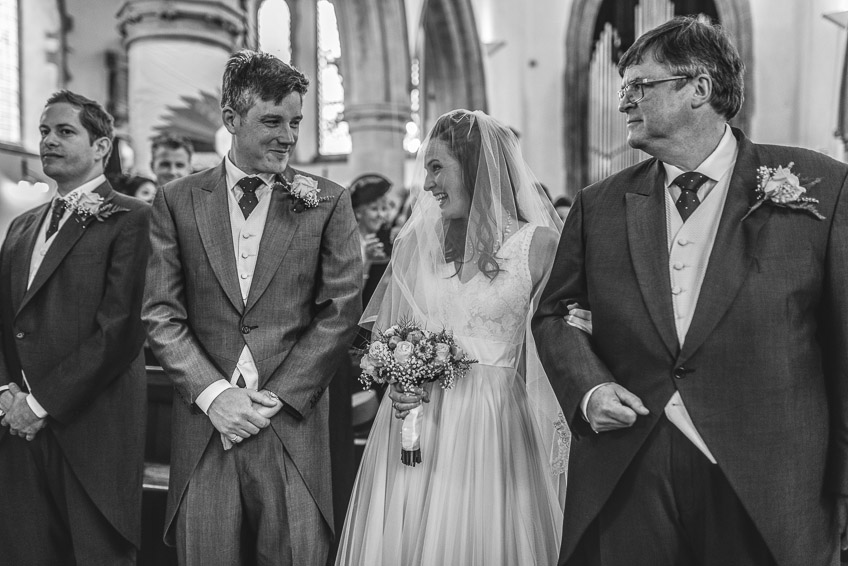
165 313
119 335
835 347
565 351
307 370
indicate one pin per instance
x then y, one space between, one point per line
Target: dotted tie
248 200
56 213
688 200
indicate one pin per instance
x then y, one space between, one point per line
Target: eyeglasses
634 91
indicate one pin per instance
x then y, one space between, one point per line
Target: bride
472 258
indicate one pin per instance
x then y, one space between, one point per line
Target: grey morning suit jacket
300 315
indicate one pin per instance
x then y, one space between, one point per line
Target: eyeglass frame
642 83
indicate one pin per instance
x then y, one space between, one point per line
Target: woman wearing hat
370 206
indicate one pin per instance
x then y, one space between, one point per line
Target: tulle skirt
483 495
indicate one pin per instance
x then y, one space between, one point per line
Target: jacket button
20 335
245 329
680 373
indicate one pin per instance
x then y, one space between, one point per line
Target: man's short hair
171 141
96 121
251 74
692 46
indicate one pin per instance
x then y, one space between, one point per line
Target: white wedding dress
486 491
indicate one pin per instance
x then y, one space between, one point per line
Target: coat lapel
22 251
66 239
733 250
280 226
212 214
648 242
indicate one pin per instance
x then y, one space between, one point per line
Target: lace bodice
492 309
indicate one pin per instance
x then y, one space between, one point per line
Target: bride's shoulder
543 247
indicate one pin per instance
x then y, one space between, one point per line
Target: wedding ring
236 439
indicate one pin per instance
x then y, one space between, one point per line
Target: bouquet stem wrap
410 432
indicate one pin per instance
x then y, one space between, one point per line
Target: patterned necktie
56 213
688 200
248 200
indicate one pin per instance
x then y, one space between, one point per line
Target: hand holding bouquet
409 356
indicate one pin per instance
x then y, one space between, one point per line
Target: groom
252 288
710 405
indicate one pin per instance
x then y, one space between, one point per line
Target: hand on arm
19 417
612 407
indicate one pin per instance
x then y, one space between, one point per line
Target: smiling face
68 156
372 216
169 164
444 181
264 138
658 121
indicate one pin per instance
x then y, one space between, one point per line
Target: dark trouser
46 517
672 507
249 505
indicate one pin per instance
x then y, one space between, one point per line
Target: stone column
176 51
375 59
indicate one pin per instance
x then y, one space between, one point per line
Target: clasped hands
404 401
239 413
18 415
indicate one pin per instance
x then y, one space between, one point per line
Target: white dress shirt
42 244
247 235
690 245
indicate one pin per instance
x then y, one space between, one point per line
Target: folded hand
233 413
19 416
265 410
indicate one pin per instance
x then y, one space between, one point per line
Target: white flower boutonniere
85 205
778 186
304 190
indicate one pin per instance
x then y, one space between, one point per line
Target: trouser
249 505
672 507
46 517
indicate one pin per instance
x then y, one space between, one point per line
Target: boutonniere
85 205
778 186
304 190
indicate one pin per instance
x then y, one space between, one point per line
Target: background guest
562 206
137 186
170 157
371 206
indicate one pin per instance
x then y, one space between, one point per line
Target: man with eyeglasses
709 406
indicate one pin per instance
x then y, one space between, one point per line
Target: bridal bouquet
410 356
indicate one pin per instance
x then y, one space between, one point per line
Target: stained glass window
333 133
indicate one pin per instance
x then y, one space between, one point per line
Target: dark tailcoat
764 368
77 335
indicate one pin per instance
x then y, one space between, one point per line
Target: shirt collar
234 175
88 186
715 166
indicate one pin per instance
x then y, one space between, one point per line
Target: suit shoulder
622 181
807 162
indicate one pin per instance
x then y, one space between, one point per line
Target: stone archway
734 16
451 60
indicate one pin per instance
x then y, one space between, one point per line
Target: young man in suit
253 294
710 404
72 379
